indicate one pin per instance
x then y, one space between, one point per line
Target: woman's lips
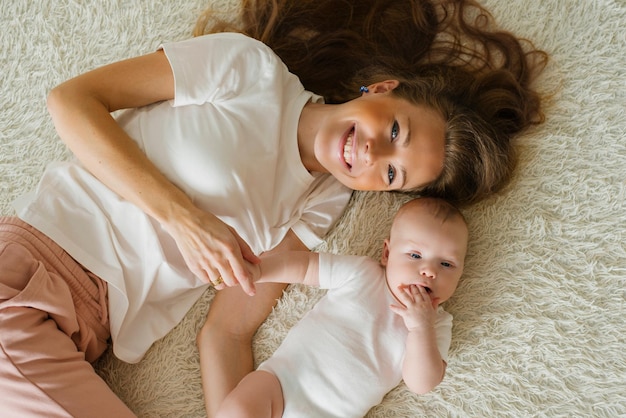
348 148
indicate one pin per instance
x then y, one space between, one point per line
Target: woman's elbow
59 101
55 99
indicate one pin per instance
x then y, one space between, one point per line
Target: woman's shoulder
230 42
211 67
235 37
224 49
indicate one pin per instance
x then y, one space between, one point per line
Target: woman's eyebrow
405 144
403 171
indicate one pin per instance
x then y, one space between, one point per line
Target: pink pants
53 323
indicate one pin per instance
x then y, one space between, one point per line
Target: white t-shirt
346 353
228 140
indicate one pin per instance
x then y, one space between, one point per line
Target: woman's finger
246 251
201 274
226 274
236 271
218 282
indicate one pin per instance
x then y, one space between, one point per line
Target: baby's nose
429 271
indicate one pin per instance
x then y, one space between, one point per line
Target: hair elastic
364 89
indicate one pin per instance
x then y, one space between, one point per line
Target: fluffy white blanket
540 312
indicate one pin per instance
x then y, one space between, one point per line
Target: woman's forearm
80 109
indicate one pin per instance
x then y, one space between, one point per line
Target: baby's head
426 247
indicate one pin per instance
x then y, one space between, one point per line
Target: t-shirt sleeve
217 66
443 330
323 208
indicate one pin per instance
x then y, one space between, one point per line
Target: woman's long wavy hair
447 54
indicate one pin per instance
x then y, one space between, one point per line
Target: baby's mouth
347 148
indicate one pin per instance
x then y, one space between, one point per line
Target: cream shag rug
540 314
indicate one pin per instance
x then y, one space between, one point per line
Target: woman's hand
213 251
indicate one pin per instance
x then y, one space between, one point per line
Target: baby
378 324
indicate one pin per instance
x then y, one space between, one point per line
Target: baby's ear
385 255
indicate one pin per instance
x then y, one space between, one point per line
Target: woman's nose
374 150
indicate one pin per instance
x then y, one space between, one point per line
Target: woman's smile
349 147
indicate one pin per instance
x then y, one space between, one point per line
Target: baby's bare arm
289 267
423 368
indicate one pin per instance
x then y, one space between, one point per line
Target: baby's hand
419 310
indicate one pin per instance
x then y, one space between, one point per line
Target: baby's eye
415 256
446 264
395 130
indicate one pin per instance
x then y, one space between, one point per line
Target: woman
222 155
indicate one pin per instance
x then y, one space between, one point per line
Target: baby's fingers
406 295
398 310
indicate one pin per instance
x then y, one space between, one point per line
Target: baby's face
425 252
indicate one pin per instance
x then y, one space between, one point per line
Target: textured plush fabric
540 312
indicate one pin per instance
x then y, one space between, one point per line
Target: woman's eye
391 174
395 131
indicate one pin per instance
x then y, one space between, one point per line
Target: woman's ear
383 86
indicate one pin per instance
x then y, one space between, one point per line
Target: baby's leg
258 395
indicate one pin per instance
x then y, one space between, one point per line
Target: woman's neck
308 125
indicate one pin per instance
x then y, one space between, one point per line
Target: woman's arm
225 339
80 109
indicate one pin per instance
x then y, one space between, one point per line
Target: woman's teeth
347 149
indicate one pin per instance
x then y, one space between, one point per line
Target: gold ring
218 282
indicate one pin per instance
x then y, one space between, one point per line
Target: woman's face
381 142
